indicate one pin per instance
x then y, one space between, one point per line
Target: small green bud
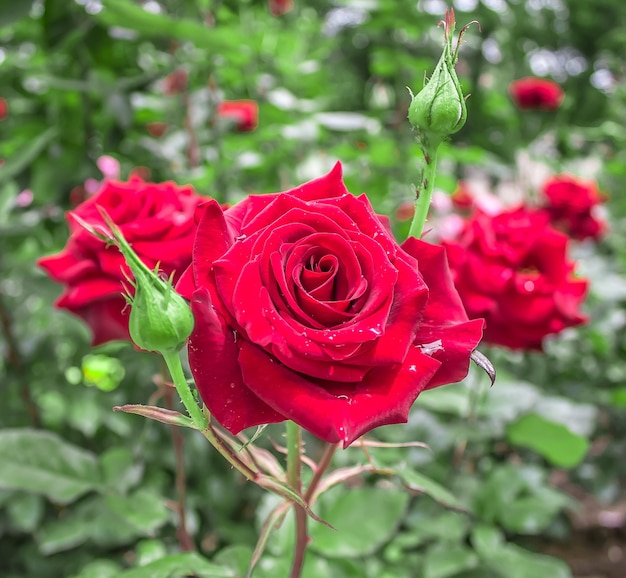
438 110
160 319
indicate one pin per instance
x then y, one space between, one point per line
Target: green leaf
128 15
236 558
42 463
420 483
364 518
25 511
529 515
448 560
452 399
11 12
99 569
23 158
511 561
179 565
65 533
102 371
120 469
143 510
554 441
149 551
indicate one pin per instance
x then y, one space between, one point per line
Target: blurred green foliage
87 492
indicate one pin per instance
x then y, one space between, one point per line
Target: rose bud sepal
438 110
160 319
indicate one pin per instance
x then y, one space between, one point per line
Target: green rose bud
438 110
160 319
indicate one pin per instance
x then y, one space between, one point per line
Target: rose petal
384 397
213 355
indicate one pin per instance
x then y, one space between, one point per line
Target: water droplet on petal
430 348
529 286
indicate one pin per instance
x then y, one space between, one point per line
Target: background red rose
307 309
280 7
244 113
156 219
570 202
533 93
512 269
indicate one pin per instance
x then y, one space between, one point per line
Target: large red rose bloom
512 269
156 219
533 93
307 309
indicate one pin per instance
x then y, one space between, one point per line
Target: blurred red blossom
156 129
156 218
4 109
512 269
571 203
534 93
280 7
175 82
462 197
244 113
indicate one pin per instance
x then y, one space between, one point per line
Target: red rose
280 7
157 129
4 109
462 197
307 309
536 94
244 113
570 202
175 82
156 219
512 269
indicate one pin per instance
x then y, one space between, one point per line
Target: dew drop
430 348
241 237
529 286
342 397
413 368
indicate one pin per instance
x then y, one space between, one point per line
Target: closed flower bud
160 319
438 110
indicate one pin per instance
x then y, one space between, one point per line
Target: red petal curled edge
337 412
445 331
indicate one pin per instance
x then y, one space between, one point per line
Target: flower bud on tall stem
436 112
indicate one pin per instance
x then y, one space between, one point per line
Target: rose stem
184 539
199 418
424 190
294 469
324 462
